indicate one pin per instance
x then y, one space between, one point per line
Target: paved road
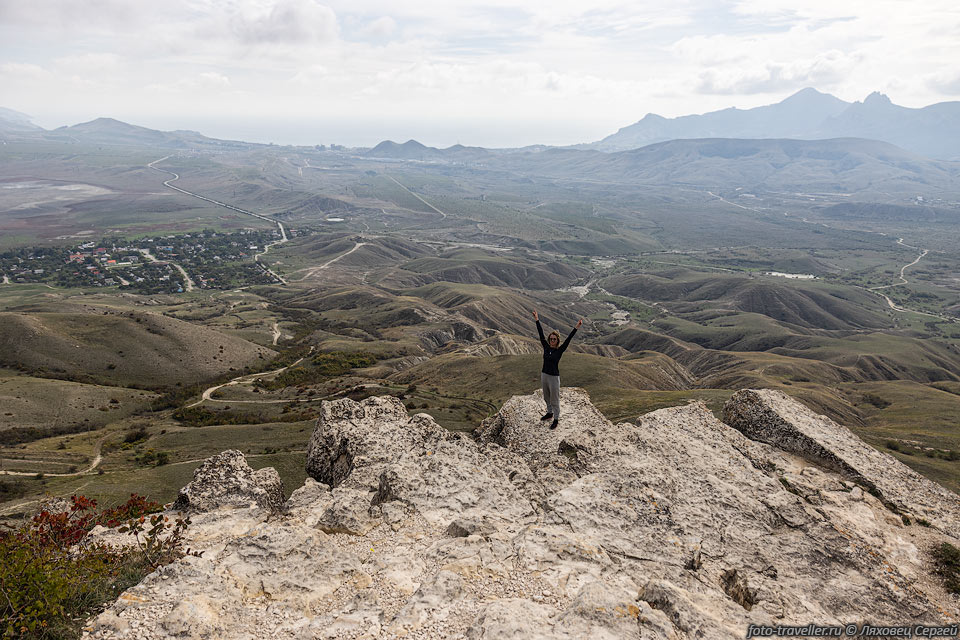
283 231
188 281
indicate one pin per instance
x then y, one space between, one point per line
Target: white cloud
820 71
286 22
23 70
947 82
209 82
601 64
98 62
310 76
380 28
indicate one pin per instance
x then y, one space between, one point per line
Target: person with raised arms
550 373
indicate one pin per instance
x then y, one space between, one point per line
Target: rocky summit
676 526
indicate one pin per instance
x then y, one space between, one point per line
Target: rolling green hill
817 305
121 348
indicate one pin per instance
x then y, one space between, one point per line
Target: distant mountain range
933 131
17 126
847 165
413 150
12 122
844 164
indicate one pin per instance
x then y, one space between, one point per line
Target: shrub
893 445
11 490
136 435
947 560
878 401
48 585
322 367
153 458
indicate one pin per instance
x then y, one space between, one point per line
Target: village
206 259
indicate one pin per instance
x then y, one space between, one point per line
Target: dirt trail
188 281
903 280
93 465
250 377
442 214
312 271
276 333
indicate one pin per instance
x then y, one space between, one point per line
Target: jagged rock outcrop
674 527
226 480
773 417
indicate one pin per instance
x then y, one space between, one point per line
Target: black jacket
551 357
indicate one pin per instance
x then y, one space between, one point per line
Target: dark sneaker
553 425
547 416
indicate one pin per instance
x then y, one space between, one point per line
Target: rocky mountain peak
674 526
877 99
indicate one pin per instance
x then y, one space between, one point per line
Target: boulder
226 480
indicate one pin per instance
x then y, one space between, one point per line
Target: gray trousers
551 393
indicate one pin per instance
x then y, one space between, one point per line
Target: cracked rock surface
674 527
776 418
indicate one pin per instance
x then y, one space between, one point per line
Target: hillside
848 165
805 306
931 131
634 530
470 266
13 123
121 348
413 150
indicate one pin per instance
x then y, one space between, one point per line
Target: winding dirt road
98 447
250 377
903 280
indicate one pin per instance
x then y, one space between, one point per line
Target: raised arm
543 340
569 337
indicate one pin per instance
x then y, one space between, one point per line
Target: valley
379 273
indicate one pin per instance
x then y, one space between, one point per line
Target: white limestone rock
674 527
773 417
226 480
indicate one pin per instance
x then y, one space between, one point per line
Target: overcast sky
494 73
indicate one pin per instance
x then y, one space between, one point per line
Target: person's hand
579 323
535 316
